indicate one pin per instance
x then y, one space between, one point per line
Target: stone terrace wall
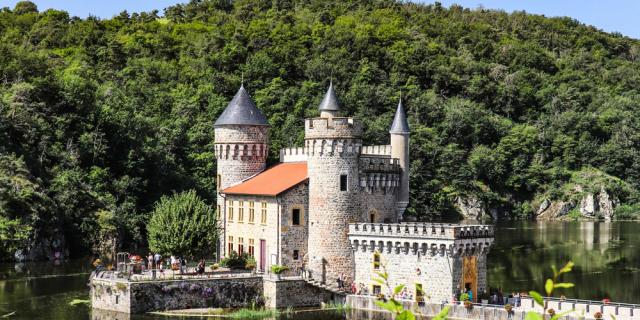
141 297
295 293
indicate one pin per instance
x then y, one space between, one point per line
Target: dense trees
104 117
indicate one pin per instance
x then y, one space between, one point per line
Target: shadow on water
607 257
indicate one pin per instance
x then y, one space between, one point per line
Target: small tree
184 225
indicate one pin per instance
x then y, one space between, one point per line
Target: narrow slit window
295 217
343 182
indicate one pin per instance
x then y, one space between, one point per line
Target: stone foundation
126 297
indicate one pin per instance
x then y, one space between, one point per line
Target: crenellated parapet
421 238
245 151
332 147
296 154
382 150
332 128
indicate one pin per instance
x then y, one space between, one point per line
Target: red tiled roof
272 181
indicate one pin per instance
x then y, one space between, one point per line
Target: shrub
235 260
278 269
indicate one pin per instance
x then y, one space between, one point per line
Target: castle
334 206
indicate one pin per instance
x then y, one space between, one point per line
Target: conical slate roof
400 124
241 110
330 101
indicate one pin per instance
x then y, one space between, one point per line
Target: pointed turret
330 105
399 133
242 111
399 124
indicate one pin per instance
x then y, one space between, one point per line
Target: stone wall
432 309
294 237
141 297
298 293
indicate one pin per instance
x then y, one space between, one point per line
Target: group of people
157 261
497 297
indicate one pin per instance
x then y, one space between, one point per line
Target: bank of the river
607 257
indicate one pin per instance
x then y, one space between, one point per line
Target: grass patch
246 313
337 307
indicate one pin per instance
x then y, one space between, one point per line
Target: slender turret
330 105
400 150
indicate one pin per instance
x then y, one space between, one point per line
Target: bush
251 263
627 212
235 260
278 269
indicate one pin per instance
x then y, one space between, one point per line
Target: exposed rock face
471 207
550 210
607 204
45 248
590 206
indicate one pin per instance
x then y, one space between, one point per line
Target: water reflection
606 256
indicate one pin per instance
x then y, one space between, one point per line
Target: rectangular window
343 182
419 293
218 213
376 260
240 211
230 210
295 217
251 248
252 215
296 254
218 182
240 246
376 289
230 245
263 213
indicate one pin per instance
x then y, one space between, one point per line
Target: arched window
376 260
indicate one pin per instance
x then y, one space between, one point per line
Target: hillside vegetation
101 118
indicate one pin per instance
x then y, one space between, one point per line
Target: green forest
101 118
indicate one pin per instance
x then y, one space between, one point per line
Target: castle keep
334 207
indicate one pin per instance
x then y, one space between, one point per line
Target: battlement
422 230
241 151
295 154
337 127
382 150
421 238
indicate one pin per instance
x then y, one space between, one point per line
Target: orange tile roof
273 181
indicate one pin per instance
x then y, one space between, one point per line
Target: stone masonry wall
286 293
434 273
142 297
294 237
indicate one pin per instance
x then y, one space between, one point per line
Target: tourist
150 261
156 260
353 287
470 293
200 268
341 281
183 265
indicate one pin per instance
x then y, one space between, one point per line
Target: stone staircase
331 288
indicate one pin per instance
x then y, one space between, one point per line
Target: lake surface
607 258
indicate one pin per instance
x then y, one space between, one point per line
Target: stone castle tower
241 143
333 147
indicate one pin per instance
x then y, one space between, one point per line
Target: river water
607 258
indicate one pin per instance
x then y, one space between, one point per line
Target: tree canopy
183 225
106 116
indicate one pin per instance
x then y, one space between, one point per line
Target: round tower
241 140
399 133
332 146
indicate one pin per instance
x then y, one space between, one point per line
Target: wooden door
263 254
470 275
